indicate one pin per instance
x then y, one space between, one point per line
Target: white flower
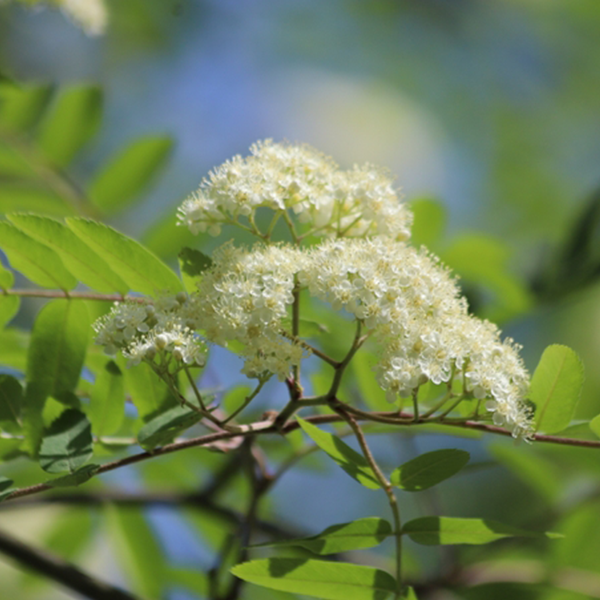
245 297
299 179
413 307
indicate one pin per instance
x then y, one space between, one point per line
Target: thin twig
269 427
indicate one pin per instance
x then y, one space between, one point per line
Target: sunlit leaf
371 392
362 533
71 121
9 307
107 400
67 443
55 358
595 425
141 270
235 397
483 260
35 260
58 347
77 256
351 461
129 173
435 531
22 105
429 469
13 348
318 578
7 279
165 238
147 390
31 196
189 579
429 221
556 388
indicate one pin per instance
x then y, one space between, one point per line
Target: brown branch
268 427
59 570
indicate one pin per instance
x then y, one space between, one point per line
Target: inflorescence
403 297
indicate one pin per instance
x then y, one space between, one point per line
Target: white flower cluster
414 308
244 297
143 331
403 296
298 178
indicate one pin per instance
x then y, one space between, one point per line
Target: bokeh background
489 109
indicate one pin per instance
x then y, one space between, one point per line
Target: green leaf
129 173
595 425
67 443
429 469
235 397
429 222
80 476
192 263
436 531
35 260
370 391
409 593
351 461
58 347
21 106
165 238
362 533
7 279
321 579
166 426
72 120
6 493
147 390
55 358
141 270
137 550
9 307
533 470
556 388
483 260
13 348
5 483
190 579
77 256
30 196
11 399
107 400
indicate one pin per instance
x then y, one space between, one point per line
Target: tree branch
269 427
59 570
